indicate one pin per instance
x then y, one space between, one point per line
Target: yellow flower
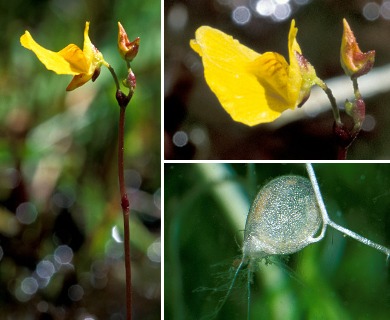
253 88
82 64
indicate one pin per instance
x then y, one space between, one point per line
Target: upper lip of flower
82 64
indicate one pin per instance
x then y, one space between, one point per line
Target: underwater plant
287 215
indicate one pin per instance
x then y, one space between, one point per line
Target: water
284 218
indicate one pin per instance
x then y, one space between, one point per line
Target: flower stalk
125 204
85 65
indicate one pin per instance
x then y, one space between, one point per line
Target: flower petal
228 68
69 60
75 57
92 55
78 80
271 70
88 48
294 73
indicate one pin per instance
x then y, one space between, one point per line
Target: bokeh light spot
198 136
42 306
98 274
10 178
371 11
114 250
115 233
64 199
154 251
282 12
385 10
178 17
265 7
63 254
117 316
29 286
26 213
45 269
241 15
180 138
133 179
369 123
301 2
75 292
157 199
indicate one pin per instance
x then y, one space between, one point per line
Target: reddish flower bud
127 49
131 80
357 111
354 62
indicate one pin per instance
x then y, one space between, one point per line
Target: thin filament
249 294
358 237
320 201
222 302
326 220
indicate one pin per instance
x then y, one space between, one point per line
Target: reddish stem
125 204
342 153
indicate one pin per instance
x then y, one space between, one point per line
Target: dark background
191 107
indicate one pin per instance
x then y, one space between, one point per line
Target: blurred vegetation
336 278
192 108
60 216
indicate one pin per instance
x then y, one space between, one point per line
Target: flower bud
354 62
130 82
127 49
357 111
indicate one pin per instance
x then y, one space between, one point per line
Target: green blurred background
61 253
197 127
336 278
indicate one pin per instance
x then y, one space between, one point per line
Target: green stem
114 76
356 90
333 103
